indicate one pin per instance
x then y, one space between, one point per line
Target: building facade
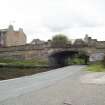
10 37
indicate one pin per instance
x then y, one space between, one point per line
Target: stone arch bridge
55 55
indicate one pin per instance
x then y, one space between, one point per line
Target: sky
45 18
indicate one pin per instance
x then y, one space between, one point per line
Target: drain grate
67 101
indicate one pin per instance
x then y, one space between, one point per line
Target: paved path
65 86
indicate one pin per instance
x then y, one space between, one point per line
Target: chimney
20 30
10 28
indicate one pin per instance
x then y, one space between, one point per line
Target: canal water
9 73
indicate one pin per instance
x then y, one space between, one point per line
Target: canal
9 73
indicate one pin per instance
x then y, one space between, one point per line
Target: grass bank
23 63
97 67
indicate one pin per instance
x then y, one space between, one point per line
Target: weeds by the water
23 63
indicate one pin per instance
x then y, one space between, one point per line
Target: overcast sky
45 18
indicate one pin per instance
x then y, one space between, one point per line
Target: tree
59 40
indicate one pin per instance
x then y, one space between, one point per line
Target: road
65 86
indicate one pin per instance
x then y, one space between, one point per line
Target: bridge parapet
76 49
30 51
22 48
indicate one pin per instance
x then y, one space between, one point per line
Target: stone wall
42 51
24 52
96 57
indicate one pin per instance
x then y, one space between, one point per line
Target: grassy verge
23 63
97 67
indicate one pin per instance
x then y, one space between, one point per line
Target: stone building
10 37
94 42
37 42
79 42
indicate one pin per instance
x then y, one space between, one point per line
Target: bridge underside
62 59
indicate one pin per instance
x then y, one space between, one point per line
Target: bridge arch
59 58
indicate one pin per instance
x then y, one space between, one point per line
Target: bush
76 61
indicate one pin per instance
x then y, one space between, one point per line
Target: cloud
64 21
46 17
63 15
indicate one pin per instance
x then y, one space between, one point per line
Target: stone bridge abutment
60 57
55 56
